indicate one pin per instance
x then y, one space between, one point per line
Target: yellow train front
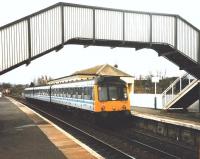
111 95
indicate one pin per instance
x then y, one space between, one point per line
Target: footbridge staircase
182 93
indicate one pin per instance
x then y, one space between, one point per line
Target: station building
105 70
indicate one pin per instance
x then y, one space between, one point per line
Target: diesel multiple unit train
99 95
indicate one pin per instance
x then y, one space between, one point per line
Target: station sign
155 79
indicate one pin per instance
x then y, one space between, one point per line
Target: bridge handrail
94 7
172 92
26 39
175 81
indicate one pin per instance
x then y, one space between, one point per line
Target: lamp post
155 80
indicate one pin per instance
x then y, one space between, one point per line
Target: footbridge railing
51 28
176 88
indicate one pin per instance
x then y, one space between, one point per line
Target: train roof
29 88
41 87
37 87
88 83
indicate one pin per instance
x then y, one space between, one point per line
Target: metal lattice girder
51 28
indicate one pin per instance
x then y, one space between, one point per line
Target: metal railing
176 88
51 28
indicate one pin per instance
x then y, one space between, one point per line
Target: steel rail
163 140
116 135
145 145
80 131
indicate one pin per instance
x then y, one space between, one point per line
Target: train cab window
103 93
112 93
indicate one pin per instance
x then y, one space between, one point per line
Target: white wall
146 100
194 107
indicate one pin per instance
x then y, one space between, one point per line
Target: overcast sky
75 57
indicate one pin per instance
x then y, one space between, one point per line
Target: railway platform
25 134
183 119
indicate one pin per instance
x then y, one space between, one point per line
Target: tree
40 81
32 84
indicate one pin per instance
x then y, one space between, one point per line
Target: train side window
82 92
79 92
73 93
64 94
76 92
86 92
56 93
52 92
65 90
90 93
60 92
69 92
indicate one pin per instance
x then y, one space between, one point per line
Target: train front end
111 96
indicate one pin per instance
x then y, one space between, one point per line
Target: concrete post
155 99
199 97
198 147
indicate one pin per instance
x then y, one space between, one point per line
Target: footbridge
51 28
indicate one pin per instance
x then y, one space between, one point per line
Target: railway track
102 145
176 149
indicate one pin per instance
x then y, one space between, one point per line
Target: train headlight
124 107
102 107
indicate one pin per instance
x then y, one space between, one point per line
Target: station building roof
91 73
102 70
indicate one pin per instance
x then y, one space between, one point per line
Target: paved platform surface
186 119
25 135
